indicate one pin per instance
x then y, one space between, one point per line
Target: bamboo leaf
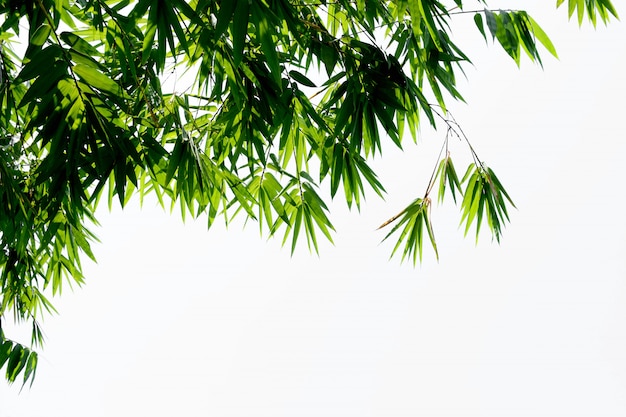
41 34
542 37
492 22
240 29
478 20
301 78
225 15
98 80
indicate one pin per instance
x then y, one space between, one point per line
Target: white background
175 320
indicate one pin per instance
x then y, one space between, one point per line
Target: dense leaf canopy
282 106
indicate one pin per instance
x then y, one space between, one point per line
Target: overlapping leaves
19 359
288 103
592 8
514 30
483 199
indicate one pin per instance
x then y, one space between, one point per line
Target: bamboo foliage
288 103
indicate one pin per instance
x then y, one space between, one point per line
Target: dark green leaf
478 20
301 78
492 22
240 29
225 15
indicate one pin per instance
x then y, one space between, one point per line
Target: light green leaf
41 35
542 37
98 80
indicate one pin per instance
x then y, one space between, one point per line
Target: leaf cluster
481 194
19 359
514 30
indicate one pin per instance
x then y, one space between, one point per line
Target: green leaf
240 29
429 228
581 10
542 37
30 369
415 217
447 175
268 46
225 15
416 17
98 80
478 20
79 44
484 197
427 14
6 346
496 182
301 78
17 361
296 220
148 42
41 35
44 84
492 22
40 63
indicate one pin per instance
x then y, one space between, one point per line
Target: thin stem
457 130
431 182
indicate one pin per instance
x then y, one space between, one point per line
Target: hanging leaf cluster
259 108
19 360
